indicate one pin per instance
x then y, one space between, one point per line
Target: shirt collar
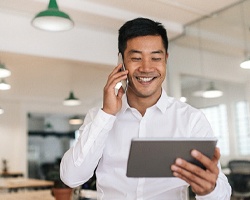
164 101
162 104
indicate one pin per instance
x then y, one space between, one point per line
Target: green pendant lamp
71 100
52 19
245 64
4 85
3 71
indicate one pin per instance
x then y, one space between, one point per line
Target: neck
142 103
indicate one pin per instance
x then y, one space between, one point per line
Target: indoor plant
60 190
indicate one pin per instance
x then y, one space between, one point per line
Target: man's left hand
201 181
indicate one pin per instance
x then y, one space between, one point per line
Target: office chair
239 178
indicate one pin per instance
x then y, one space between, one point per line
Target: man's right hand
112 102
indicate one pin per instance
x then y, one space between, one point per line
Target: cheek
161 69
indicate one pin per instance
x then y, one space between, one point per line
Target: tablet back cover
154 157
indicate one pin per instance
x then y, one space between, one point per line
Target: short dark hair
140 27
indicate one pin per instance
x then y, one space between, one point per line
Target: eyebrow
153 52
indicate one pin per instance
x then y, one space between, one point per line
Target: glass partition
207 55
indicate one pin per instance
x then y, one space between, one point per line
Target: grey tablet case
152 157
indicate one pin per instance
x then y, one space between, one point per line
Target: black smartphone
123 83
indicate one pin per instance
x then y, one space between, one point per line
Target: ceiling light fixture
212 92
71 100
52 19
1 111
4 85
75 120
245 64
3 71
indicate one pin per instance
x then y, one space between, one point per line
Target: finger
192 171
116 76
216 154
120 92
200 187
210 165
187 169
194 184
116 70
200 180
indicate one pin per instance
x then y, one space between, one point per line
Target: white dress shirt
104 143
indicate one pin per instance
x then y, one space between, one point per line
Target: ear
166 56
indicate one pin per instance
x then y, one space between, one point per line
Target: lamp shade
52 19
212 92
3 71
1 111
71 100
4 85
245 64
76 120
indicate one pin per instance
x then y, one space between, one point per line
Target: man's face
145 58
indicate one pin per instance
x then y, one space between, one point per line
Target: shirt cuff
211 196
105 119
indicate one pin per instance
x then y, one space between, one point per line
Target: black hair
140 27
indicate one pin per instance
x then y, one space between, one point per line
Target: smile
144 79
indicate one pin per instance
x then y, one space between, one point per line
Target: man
144 110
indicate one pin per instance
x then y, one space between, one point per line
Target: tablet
153 157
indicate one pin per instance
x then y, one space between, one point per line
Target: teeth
144 79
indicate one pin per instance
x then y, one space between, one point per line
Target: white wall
13 143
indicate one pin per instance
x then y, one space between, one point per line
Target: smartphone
123 83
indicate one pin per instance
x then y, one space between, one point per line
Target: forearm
80 161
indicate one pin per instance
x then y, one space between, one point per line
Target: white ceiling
221 32
110 14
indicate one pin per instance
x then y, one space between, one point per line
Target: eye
156 59
135 59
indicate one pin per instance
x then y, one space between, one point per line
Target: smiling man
144 110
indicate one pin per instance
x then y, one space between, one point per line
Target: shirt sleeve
222 191
79 162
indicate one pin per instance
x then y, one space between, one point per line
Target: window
242 127
217 117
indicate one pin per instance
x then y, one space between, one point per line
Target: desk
11 174
28 195
18 183
42 195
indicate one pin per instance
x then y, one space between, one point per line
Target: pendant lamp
245 64
4 85
52 19
3 71
76 120
71 100
212 92
1 111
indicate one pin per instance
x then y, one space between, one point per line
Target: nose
145 66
